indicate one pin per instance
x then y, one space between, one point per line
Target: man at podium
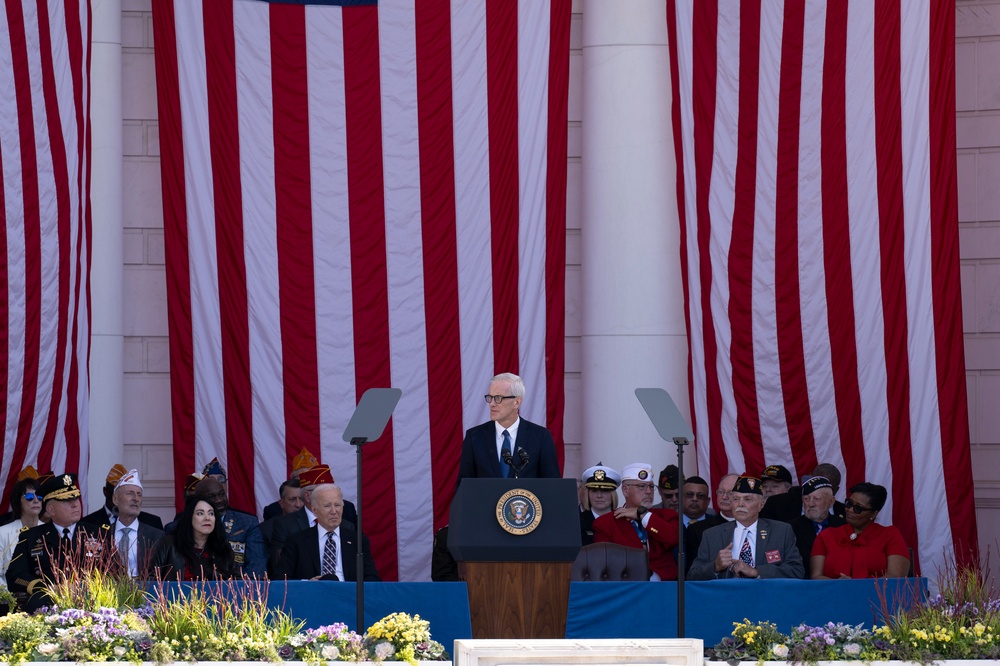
507 446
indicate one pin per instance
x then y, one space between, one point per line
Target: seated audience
637 525
291 500
775 480
668 488
862 548
300 463
600 497
48 548
198 549
26 507
817 500
750 546
328 550
788 506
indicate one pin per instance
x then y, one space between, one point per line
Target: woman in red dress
861 548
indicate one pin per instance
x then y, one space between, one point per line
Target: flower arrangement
406 637
962 622
218 621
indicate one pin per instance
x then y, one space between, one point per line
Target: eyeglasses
856 508
498 398
694 495
642 487
32 497
723 493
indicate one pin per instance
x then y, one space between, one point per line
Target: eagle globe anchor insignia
519 511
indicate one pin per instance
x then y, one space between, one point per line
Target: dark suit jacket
805 535
38 554
296 521
772 535
100 517
693 534
787 507
479 452
272 510
300 556
147 537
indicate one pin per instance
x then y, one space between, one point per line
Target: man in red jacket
636 525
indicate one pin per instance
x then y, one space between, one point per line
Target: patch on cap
748 484
669 478
316 475
814 484
600 477
191 481
62 487
637 472
776 473
131 478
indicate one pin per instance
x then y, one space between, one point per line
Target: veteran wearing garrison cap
636 525
750 546
46 548
600 497
133 539
106 514
669 489
817 514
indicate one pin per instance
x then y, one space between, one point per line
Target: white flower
852 649
780 651
384 650
329 652
47 649
297 640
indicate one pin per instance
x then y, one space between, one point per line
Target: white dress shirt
512 431
340 551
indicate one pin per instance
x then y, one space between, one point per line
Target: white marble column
107 339
633 307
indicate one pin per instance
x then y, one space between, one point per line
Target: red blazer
661 534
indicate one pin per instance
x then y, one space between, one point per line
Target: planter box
943 662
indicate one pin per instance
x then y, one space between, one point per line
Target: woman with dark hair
198 548
862 548
26 507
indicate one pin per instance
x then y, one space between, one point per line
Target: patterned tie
641 533
746 554
504 467
123 546
330 555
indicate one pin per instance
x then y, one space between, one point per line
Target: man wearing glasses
693 534
507 446
636 525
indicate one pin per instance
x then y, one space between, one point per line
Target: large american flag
816 161
45 235
359 196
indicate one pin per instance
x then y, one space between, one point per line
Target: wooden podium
518 539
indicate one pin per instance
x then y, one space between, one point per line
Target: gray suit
773 537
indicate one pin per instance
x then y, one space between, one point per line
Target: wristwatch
640 511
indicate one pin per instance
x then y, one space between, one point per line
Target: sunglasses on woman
32 496
856 508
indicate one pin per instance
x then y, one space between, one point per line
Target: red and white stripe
45 236
357 197
815 146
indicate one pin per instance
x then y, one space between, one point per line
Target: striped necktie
330 555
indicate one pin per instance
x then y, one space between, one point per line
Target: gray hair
516 383
320 488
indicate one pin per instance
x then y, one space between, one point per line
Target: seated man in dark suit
750 546
106 514
694 531
817 500
327 550
296 521
507 437
134 540
787 506
47 548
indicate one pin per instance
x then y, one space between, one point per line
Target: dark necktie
65 543
330 556
123 546
746 554
504 467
